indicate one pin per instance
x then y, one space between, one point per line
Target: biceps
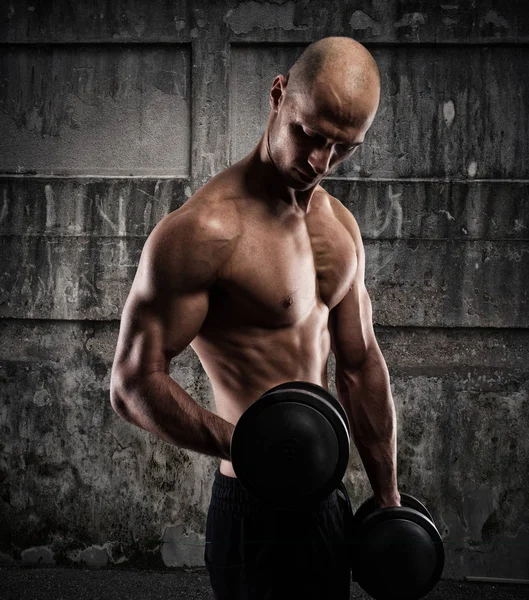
153 332
351 328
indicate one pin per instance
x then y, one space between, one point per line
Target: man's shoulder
192 243
343 215
202 218
213 215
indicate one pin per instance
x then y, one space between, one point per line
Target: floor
57 583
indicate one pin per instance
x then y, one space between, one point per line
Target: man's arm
164 311
362 382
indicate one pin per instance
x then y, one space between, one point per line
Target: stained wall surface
112 114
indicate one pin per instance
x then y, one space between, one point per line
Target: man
262 273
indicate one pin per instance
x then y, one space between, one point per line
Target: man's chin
300 183
301 187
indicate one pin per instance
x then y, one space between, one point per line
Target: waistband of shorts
228 494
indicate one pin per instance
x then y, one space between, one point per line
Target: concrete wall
113 113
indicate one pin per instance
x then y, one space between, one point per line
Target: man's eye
307 133
345 150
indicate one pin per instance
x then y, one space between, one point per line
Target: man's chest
279 273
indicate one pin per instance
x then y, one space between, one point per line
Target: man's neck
265 177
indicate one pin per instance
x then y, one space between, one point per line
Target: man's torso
267 321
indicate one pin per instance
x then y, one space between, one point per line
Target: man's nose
319 160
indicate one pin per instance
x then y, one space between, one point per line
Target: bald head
334 59
322 110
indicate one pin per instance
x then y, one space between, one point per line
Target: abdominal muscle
244 363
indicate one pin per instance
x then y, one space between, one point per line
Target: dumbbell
398 552
290 448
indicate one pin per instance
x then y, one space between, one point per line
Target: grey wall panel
74 245
384 209
85 207
66 457
210 129
461 400
448 283
95 21
67 277
408 21
252 72
72 474
461 439
434 352
103 110
452 210
414 283
442 114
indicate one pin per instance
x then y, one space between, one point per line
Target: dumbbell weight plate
399 554
290 448
315 389
411 502
406 500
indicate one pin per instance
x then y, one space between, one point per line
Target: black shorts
254 552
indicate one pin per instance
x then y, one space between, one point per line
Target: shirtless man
262 273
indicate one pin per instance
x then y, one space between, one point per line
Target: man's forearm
159 405
366 394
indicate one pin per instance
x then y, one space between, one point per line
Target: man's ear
277 92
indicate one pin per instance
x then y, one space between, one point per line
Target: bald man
262 273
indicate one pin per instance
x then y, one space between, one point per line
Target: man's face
313 132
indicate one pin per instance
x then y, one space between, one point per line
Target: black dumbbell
290 448
405 499
398 551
